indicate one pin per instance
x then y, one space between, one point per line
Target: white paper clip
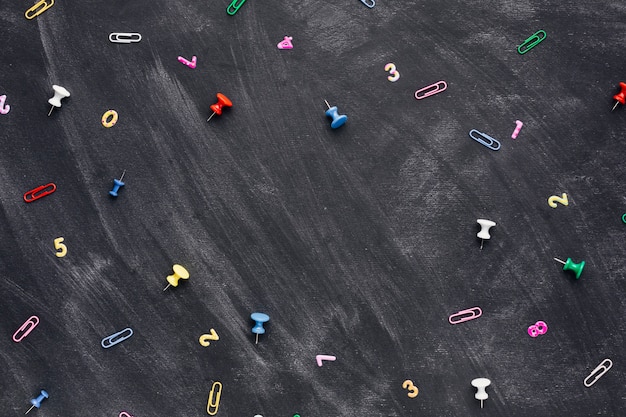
125 37
462 315
600 370
486 140
429 90
369 3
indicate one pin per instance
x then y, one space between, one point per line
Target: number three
60 246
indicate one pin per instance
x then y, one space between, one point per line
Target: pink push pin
285 43
517 129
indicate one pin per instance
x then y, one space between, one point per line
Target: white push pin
481 384
485 225
59 93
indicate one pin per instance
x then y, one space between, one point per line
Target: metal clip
482 139
26 328
41 191
474 312
214 403
531 42
125 37
234 6
39 7
369 3
116 338
429 90
602 367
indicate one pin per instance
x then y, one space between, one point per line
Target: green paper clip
234 6
531 42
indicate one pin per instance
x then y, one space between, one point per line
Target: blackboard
358 242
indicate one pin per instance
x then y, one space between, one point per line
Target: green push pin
570 265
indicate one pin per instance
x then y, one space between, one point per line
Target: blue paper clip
369 3
486 140
234 6
532 41
116 338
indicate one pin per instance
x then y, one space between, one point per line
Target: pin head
338 120
621 96
36 402
222 101
59 93
574 267
480 384
179 273
259 319
485 225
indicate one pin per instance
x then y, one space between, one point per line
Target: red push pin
222 101
621 96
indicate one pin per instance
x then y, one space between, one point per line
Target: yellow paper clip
234 6
214 403
39 7
532 41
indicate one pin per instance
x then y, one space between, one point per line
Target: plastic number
413 390
60 246
391 69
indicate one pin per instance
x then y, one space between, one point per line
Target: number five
60 246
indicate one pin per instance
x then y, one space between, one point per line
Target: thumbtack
481 384
222 101
485 225
338 120
259 319
59 93
36 402
572 266
179 272
118 185
621 96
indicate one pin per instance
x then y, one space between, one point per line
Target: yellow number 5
60 246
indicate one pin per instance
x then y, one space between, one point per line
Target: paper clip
116 338
234 6
369 3
124 414
26 328
214 403
531 42
41 191
125 37
482 138
461 313
39 7
431 89
603 368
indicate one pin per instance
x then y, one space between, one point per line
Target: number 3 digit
60 246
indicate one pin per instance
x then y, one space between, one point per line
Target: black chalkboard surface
359 242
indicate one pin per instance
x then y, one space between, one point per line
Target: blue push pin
118 185
259 319
36 402
338 120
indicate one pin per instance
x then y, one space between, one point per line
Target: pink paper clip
26 328
473 312
124 414
430 90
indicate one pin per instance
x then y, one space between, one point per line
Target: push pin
259 319
485 225
179 272
118 185
338 120
480 384
59 93
571 266
222 101
621 96
36 402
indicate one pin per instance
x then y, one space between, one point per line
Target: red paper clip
41 191
25 328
